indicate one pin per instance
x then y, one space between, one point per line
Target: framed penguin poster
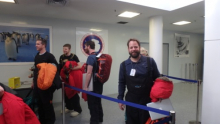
17 42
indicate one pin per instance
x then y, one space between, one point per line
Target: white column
211 73
155 40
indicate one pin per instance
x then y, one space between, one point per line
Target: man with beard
44 97
74 102
137 73
94 103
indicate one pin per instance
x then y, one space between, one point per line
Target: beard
86 51
66 53
134 54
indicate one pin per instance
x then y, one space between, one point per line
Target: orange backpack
104 62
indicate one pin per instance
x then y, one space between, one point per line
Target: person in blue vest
137 73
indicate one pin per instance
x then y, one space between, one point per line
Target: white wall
63 31
210 100
177 65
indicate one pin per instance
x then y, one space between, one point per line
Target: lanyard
134 65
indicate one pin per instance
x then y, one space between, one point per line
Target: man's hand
85 88
121 106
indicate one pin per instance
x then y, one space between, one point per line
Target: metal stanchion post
63 104
173 117
197 106
186 71
189 70
193 70
196 68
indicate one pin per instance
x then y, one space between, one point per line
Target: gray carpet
183 100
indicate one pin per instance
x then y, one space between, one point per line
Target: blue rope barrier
121 101
187 80
164 120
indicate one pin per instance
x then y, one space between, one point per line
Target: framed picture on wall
181 48
17 42
99 37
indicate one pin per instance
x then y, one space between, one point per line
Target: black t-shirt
63 59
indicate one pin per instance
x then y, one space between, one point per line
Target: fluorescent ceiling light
127 14
181 23
168 5
95 30
9 1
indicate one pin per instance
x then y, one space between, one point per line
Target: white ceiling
106 11
168 5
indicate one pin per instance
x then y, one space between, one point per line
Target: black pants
95 105
73 103
135 115
45 105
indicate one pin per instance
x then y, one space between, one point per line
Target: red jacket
162 89
15 111
71 77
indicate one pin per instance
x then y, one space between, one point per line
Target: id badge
132 73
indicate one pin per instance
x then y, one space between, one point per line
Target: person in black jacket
45 97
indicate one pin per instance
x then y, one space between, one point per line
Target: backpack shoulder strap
94 70
149 67
72 55
124 69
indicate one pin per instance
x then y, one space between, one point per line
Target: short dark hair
132 39
91 44
43 41
67 45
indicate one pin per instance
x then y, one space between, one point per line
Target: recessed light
181 23
128 14
92 29
9 1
